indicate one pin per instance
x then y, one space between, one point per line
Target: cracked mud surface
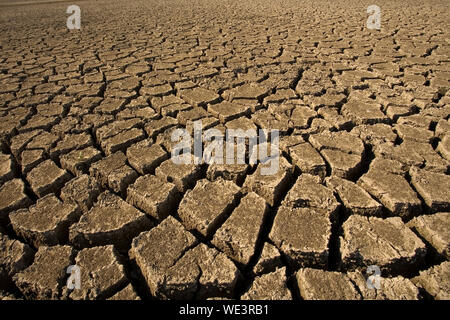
86 176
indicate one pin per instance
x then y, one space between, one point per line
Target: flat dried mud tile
401 153
31 158
202 272
407 132
308 160
246 91
121 178
160 102
307 192
395 112
47 222
317 284
264 119
435 281
332 115
280 96
270 286
157 250
302 116
83 190
45 278
302 235
233 172
355 199
206 206
47 178
156 91
155 127
397 288
12 197
375 134
194 114
387 243
110 221
199 96
71 142
84 90
442 128
101 271
137 69
433 187
94 77
112 93
434 229
225 160
122 140
270 186
39 122
8 128
343 165
183 176
11 87
305 87
6 296
201 73
364 113
393 191
6 168
226 111
185 85
14 257
110 106
51 109
416 120
290 141
164 139
94 121
128 293
145 157
154 196
238 236
253 104
77 162
326 100
86 104
43 141
19 142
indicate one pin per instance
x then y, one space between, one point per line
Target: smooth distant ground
86 177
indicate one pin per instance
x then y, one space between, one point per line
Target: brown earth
86 175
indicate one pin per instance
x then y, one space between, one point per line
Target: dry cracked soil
87 179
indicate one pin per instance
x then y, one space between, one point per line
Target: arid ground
87 178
